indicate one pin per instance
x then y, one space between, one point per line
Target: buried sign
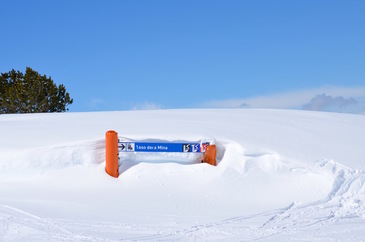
115 147
160 147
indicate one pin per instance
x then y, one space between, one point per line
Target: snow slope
281 175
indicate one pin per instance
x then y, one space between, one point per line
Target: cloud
339 99
146 106
324 102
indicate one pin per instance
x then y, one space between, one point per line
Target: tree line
31 93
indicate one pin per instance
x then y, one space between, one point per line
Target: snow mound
40 160
280 175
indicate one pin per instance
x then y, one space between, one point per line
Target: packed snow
281 175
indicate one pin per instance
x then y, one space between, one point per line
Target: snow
281 175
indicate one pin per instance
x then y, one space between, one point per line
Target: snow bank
280 174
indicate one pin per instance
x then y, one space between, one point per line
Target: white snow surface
281 176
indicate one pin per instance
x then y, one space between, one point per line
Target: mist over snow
324 102
329 99
281 175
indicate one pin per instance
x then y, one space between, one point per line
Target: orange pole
210 155
111 153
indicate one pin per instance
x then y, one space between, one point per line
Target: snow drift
281 174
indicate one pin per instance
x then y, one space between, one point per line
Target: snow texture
281 176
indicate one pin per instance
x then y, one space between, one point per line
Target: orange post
210 155
111 153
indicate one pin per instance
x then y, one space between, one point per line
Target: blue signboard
159 147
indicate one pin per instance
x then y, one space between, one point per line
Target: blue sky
120 55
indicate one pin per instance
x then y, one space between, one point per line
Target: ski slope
281 175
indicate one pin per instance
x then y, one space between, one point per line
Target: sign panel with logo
159 147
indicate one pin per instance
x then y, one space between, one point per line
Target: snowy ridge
30 162
266 185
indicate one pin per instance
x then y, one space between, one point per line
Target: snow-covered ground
281 175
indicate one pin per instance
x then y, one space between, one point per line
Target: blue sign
159 147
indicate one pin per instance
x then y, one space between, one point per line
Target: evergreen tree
31 93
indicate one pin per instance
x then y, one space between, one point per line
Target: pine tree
31 93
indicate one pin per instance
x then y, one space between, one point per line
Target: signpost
114 146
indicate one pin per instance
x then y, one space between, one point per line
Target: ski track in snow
16 224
